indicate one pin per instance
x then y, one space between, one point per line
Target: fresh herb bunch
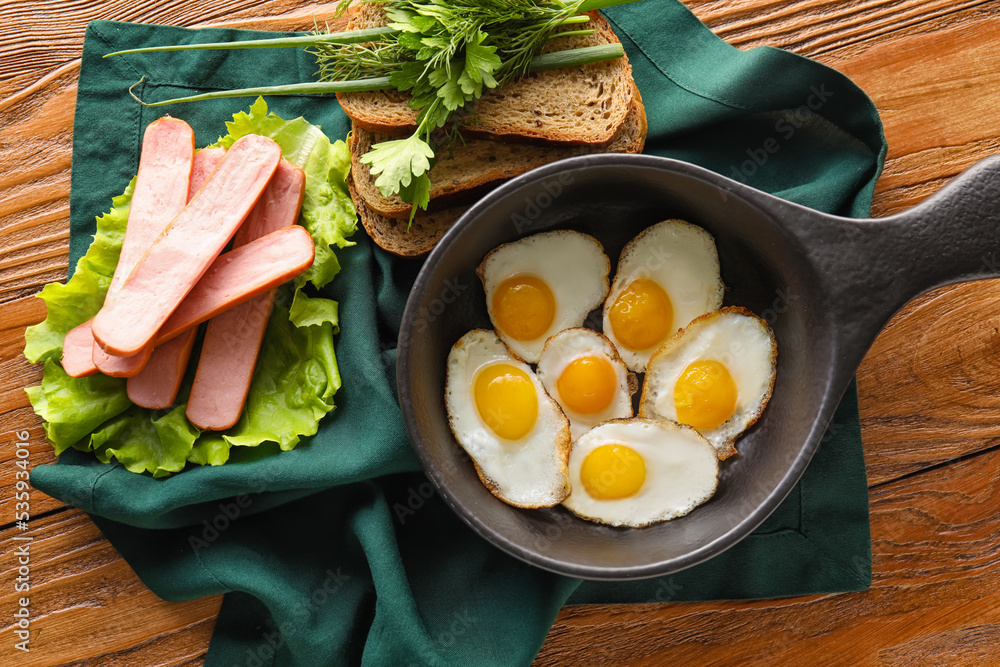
445 54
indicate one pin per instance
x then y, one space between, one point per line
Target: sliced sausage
240 275
161 190
181 255
233 338
156 386
77 358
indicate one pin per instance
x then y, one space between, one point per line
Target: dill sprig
357 61
446 54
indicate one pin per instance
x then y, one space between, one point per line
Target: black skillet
826 284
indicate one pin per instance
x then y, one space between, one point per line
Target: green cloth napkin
339 552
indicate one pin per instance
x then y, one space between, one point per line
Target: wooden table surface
929 387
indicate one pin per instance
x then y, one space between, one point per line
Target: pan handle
872 268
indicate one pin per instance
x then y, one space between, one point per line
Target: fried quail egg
582 371
635 472
514 432
666 276
716 376
541 284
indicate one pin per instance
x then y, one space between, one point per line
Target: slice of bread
463 172
391 234
575 105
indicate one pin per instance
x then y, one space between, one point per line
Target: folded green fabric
340 552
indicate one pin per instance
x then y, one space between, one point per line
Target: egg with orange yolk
666 276
541 284
582 371
716 376
635 472
498 410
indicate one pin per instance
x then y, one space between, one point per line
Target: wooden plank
817 27
922 384
32 48
931 384
938 123
936 561
39 452
954 604
87 604
16 415
36 141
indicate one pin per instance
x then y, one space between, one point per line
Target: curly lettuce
296 375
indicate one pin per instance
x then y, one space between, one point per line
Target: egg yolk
587 385
642 315
506 400
524 307
612 471
705 395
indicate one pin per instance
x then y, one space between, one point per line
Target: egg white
571 344
739 340
530 472
682 259
682 472
571 263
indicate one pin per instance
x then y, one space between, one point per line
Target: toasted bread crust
591 105
465 172
391 234
474 169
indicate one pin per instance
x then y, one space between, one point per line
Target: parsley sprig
445 55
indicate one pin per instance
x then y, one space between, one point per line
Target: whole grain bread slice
481 162
574 105
391 234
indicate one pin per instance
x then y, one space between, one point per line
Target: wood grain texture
815 28
933 109
928 387
89 608
936 582
15 411
932 382
35 146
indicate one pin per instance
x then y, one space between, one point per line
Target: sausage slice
180 256
77 358
240 275
161 191
233 338
156 386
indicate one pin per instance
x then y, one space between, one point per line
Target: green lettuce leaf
293 385
79 299
142 443
210 449
73 407
307 311
327 210
296 375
